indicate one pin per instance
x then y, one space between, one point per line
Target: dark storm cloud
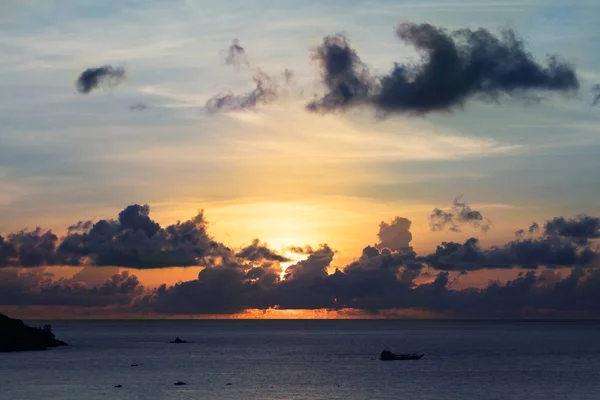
313 267
550 251
36 287
531 294
344 74
375 277
135 240
580 229
395 235
387 276
375 283
455 66
28 248
460 214
92 78
225 289
131 240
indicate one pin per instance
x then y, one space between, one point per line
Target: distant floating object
179 383
228 384
118 386
133 365
387 355
178 340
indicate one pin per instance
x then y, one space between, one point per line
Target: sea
309 359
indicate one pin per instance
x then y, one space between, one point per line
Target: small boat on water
178 340
387 355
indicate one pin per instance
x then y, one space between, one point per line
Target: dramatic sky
393 158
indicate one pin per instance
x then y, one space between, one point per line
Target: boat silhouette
387 355
178 340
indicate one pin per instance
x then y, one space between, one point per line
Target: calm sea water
310 360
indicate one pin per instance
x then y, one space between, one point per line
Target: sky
321 156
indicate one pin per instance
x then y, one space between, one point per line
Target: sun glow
293 257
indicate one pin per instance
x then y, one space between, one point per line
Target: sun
279 223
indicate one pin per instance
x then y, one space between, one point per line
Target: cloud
300 249
236 55
314 266
266 91
93 78
395 235
226 289
530 294
28 248
387 276
596 93
288 76
368 287
460 214
35 287
267 88
257 251
93 275
549 251
579 229
346 77
377 282
134 240
455 66
533 229
138 107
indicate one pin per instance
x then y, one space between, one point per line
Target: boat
178 340
387 355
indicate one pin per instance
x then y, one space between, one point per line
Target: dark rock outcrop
16 336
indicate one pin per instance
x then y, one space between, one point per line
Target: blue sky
278 172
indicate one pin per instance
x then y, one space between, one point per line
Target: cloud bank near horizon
388 275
